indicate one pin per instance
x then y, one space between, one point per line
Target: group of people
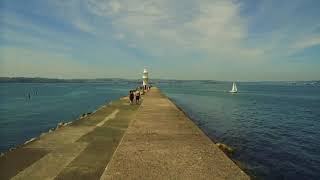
134 95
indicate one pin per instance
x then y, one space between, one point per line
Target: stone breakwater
153 140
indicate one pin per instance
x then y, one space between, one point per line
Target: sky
236 40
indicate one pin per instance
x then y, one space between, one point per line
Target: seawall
154 140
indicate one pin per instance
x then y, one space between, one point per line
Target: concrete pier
154 140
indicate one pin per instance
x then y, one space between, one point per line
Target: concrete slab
103 140
51 164
15 161
60 137
111 116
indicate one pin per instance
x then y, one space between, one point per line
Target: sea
274 127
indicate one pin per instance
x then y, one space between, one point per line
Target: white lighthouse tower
145 78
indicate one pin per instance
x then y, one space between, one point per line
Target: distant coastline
56 80
115 80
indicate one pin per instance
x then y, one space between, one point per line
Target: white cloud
83 26
19 30
168 27
307 42
114 6
119 36
132 45
104 8
218 26
157 27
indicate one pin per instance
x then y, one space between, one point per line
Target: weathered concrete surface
50 165
80 150
162 143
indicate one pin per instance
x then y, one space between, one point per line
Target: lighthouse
145 79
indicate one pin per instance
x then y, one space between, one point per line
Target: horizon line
168 79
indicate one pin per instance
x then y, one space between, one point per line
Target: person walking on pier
131 96
137 96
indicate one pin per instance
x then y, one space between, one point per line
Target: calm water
275 128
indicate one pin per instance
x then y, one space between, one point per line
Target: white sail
234 88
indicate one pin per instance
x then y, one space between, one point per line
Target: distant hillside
49 80
137 81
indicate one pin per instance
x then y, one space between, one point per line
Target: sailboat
234 88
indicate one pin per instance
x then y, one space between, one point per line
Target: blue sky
247 40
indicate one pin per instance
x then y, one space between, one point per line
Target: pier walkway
155 140
162 143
